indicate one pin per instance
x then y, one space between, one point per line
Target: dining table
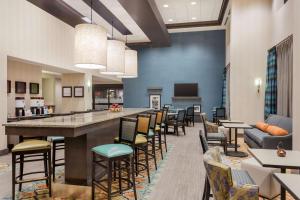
236 126
269 158
82 132
290 182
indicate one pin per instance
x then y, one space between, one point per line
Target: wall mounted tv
186 89
20 87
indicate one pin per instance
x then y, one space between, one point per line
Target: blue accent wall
194 57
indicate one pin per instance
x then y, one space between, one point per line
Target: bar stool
158 132
105 155
141 144
31 149
151 136
163 125
58 143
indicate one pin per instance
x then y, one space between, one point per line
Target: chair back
203 140
181 116
143 124
159 118
190 111
152 120
165 115
219 175
220 112
204 118
128 130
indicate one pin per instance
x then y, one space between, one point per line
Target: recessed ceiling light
170 20
86 19
165 5
194 18
193 3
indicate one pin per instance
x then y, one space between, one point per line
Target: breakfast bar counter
81 131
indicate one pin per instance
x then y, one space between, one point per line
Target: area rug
61 191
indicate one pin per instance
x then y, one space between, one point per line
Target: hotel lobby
149 99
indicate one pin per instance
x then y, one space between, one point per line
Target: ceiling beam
60 10
108 16
148 18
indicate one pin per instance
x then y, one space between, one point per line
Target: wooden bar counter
81 131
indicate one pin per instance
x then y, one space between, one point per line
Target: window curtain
285 78
224 90
271 84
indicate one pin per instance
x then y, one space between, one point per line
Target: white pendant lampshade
90 48
115 58
131 64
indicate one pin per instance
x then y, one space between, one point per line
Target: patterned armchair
227 184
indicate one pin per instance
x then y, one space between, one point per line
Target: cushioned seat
151 133
263 177
113 150
215 136
140 139
256 135
157 128
30 145
241 177
57 138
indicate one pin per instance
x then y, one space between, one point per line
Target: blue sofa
256 138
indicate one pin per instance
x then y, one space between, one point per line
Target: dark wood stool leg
49 173
165 139
153 152
183 128
109 179
93 177
21 171
147 162
120 177
53 159
136 161
207 192
13 175
160 145
133 177
204 191
46 167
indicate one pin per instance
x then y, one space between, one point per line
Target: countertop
76 120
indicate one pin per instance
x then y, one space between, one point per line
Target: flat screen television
186 89
20 87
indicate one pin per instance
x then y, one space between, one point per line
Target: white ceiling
183 11
115 7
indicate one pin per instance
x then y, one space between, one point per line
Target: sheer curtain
285 78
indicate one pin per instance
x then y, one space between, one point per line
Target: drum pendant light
115 57
90 46
131 64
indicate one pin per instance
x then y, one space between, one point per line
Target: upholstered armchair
227 184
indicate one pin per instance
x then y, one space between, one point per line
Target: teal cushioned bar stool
106 155
29 150
58 143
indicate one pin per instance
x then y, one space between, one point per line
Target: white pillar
3 100
296 78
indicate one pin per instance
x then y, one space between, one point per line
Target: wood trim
202 23
192 24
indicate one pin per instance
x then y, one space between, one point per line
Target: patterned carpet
61 191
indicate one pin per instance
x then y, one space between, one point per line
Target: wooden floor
182 178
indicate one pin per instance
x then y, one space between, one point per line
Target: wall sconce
258 84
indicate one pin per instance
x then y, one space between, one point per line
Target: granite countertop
76 120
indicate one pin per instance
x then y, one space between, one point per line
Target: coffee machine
37 105
20 106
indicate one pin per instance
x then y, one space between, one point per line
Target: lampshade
131 64
115 58
90 48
